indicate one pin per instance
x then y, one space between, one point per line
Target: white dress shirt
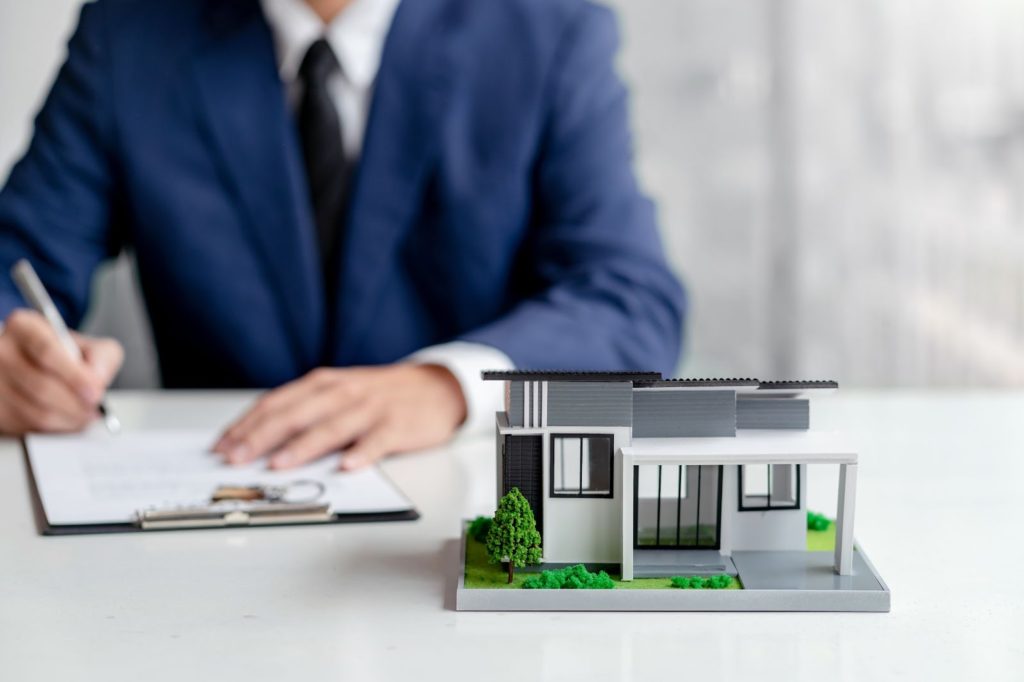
357 37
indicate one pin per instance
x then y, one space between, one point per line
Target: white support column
626 500
728 489
844 519
527 411
544 403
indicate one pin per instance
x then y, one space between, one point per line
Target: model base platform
768 581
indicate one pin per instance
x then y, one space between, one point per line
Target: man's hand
371 411
44 388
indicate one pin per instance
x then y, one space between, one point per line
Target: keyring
301 491
292 493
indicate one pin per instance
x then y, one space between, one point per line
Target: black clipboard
44 527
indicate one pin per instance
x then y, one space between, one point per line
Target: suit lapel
403 131
252 131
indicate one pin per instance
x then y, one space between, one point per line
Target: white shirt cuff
466 360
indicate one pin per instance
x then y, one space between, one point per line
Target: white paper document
98 478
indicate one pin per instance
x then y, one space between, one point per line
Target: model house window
766 487
581 466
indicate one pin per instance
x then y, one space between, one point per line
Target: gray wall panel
772 413
590 403
673 413
515 408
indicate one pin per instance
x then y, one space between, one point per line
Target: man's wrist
450 387
464 361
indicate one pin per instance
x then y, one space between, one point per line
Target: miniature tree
513 536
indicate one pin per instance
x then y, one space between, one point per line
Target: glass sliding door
676 506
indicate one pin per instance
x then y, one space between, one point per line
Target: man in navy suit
356 203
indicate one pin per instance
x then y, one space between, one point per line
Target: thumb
103 357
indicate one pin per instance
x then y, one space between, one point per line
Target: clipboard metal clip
245 505
223 514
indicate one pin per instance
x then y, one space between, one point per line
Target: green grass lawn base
822 540
483 575
480 574
658 584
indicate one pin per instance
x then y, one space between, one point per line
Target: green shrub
816 521
569 578
479 527
722 581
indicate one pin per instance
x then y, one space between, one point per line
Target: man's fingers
270 403
47 393
268 433
374 446
26 416
326 436
40 344
103 357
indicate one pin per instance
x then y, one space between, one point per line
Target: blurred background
840 184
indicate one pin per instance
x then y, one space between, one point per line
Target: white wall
578 529
32 46
779 529
841 183
582 529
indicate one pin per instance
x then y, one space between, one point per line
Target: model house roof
546 375
702 383
797 385
654 380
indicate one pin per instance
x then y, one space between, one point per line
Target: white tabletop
940 495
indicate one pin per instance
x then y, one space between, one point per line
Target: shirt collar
356 35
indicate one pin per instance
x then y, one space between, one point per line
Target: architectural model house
646 477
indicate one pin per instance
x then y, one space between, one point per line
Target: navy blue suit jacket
495 200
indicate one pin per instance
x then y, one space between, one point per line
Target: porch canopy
752 447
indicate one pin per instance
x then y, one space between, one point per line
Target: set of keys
296 492
246 505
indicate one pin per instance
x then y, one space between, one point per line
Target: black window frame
768 497
581 494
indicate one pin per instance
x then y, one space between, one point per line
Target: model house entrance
677 506
523 469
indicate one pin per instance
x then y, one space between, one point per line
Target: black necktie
328 171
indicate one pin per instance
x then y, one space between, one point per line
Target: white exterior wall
779 529
580 529
584 530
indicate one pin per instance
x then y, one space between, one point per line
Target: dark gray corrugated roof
797 385
702 383
651 379
547 375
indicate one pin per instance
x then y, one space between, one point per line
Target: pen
31 287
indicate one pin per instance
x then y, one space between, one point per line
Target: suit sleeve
55 209
607 298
